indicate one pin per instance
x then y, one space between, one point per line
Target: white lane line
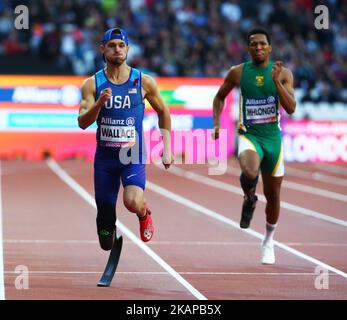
176 243
89 199
301 187
331 168
237 190
2 280
217 216
315 191
41 241
316 176
325 178
161 273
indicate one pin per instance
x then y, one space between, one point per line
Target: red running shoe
146 226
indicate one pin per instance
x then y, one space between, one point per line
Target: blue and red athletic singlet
120 120
120 152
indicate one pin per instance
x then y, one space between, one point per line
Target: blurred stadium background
188 46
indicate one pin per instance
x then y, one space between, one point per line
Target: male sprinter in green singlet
264 86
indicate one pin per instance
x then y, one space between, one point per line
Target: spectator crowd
186 38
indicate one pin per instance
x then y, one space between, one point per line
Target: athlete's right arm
231 80
89 108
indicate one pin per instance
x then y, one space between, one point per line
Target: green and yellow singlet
258 100
259 119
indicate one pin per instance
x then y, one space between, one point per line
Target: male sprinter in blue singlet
114 98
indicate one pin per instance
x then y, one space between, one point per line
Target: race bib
260 110
117 135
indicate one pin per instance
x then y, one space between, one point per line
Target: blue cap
115 33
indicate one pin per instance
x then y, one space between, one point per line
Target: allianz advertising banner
38 115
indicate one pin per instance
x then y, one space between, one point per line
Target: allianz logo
270 99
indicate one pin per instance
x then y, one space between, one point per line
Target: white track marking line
217 216
41 241
309 175
230 188
316 176
161 273
301 187
315 191
176 243
53 165
2 280
331 168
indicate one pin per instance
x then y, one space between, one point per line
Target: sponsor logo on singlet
112 121
130 121
260 110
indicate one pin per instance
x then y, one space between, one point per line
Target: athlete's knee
106 215
106 224
249 163
250 173
272 197
248 185
133 203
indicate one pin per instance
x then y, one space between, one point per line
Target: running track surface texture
49 247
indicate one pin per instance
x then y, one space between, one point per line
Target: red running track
49 229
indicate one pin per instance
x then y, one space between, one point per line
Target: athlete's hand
105 95
276 70
215 133
167 160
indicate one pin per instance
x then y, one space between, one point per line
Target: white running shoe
267 253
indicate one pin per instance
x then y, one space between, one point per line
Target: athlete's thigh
273 162
106 181
134 181
134 175
249 152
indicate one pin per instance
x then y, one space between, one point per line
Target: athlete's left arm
152 94
284 82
